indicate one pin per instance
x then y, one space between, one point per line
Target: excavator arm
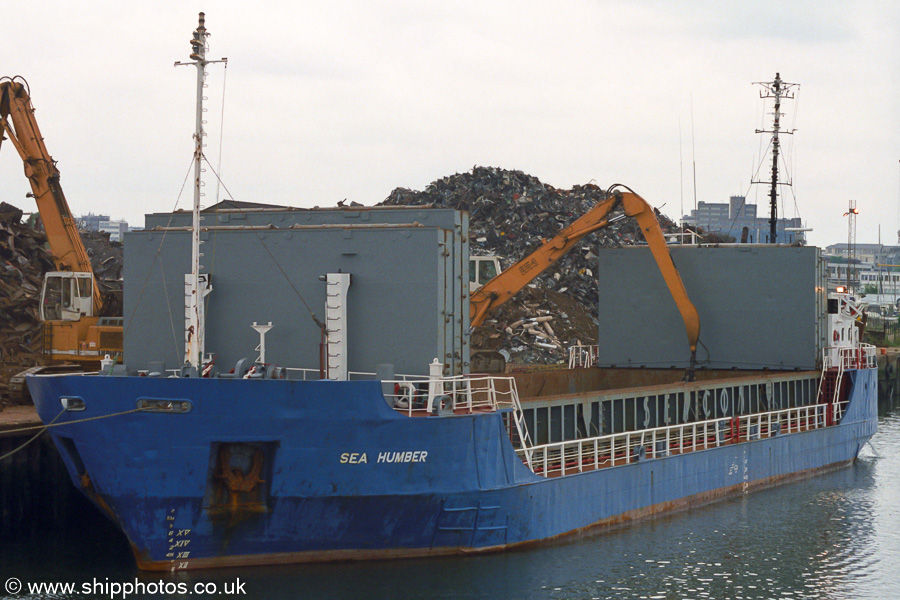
508 283
17 123
72 308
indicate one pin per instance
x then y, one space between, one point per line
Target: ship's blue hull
342 475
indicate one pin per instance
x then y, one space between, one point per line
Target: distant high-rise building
116 229
91 221
729 219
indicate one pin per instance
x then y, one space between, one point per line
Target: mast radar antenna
778 90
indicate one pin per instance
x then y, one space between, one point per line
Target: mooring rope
53 423
42 428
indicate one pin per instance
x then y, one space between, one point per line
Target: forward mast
195 332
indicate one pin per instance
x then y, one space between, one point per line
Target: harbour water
836 536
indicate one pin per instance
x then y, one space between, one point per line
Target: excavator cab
481 270
71 301
67 296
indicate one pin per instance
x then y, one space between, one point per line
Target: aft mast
777 89
195 321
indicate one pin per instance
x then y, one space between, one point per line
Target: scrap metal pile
24 259
510 215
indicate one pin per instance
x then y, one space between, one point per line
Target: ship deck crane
511 281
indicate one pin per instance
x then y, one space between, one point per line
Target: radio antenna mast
777 89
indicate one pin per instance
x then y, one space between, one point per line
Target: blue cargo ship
243 471
260 466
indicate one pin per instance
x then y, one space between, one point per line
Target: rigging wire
749 187
221 128
312 315
760 156
162 277
215 236
792 172
157 260
787 163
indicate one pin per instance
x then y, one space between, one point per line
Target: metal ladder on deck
521 440
834 386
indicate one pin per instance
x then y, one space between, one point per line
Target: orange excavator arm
508 283
17 122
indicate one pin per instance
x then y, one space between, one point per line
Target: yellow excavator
511 281
77 328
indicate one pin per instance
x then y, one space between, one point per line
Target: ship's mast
196 327
777 89
851 244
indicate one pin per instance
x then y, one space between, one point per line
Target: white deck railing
865 356
457 394
299 374
315 375
576 456
463 395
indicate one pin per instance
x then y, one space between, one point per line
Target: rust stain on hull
687 503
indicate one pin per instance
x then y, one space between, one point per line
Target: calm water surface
836 536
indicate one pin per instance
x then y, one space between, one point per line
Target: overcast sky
341 99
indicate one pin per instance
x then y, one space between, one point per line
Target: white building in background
888 281
115 229
867 254
731 218
874 265
91 221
